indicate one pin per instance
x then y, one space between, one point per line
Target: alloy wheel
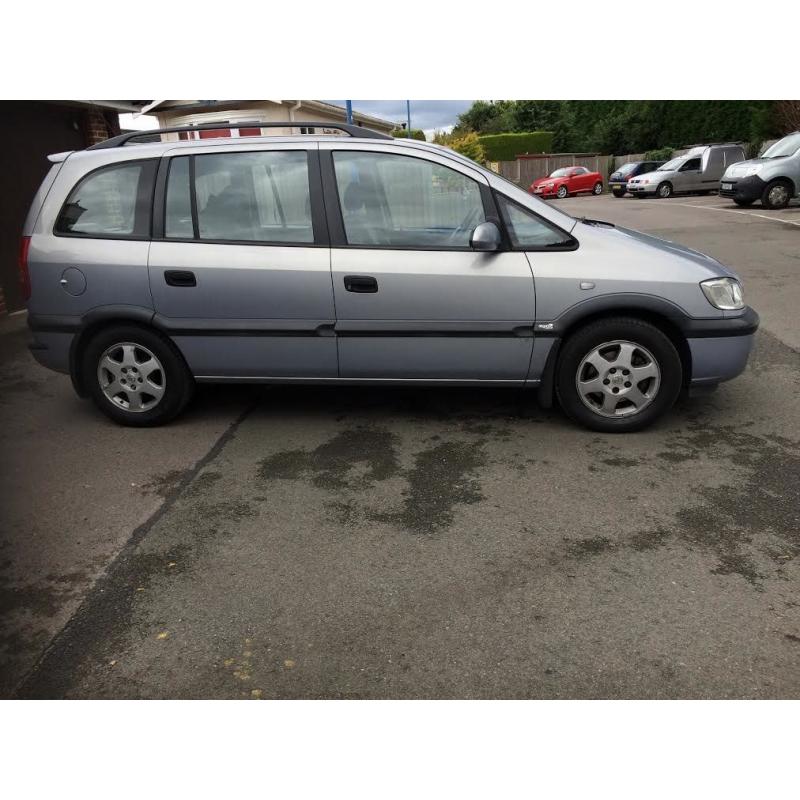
131 377
618 379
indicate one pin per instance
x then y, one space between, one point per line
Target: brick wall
99 125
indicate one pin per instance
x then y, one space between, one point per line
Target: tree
787 113
469 146
633 126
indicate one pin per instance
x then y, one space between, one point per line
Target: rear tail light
24 274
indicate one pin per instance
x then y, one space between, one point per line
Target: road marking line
727 210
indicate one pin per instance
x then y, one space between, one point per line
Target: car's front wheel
598 188
776 194
135 376
618 375
562 192
618 192
664 190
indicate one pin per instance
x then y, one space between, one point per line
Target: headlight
750 171
723 293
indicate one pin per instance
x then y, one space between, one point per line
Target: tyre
776 194
562 192
598 188
743 203
618 193
664 190
618 375
136 376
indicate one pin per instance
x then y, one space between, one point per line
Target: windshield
560 173
787 146
670 166
626 168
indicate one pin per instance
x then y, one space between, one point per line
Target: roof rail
352 130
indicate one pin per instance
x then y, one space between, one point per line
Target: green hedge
416 133
507 146
662 154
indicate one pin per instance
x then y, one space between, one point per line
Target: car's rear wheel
618 192
598 188
744 203
618 375
776 194
562 192
664 190
136 376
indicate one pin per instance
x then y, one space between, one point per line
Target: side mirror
486 238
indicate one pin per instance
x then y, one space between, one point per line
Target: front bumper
544 191
747 189
641 189
721 351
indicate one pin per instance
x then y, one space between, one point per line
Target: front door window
399 201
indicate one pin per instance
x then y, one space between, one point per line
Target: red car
566 181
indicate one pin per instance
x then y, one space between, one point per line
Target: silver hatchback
357 259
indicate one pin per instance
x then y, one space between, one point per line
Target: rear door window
240 197
110 202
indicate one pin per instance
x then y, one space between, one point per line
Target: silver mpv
356 259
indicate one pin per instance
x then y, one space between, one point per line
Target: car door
240 264
581 179
688 177
413 300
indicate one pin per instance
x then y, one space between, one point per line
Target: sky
429 115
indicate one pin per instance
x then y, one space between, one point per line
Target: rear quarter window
111 202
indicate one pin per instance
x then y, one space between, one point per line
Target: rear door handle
180 277
360 283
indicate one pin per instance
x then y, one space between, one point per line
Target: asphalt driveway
308 542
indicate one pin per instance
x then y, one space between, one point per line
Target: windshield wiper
597 222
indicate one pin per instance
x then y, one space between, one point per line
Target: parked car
357 259
699 170
773 178
566 181
618 182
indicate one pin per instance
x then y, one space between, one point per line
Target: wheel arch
784 179
656 311
99 319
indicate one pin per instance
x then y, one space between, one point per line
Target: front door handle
360 283
180 277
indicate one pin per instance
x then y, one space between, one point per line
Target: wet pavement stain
443 477
751 523
328 466
591 546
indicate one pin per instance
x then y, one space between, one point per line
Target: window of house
400 201
113 201
529 231
248 196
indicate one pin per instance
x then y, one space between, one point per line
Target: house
29 132
173 113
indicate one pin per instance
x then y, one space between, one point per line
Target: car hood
540 181
738 169
653 176
653 251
